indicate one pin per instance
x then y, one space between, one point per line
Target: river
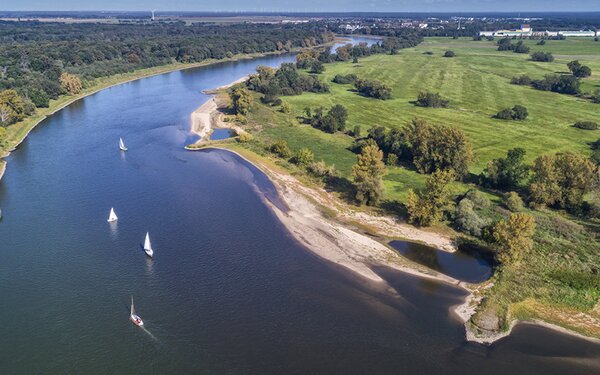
229 290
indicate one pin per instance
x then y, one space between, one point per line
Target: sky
308 5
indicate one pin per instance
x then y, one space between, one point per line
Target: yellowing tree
514 237
12 107
367 174
71 83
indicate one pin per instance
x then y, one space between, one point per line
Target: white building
581 33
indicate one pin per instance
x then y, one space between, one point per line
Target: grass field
556 279
477 83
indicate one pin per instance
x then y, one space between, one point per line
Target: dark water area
229 290
466 266
220 134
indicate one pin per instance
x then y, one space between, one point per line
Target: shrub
586 125
428 53
320 169
467 220
373 89
596 96
344 79
524 80
285 107
541 42
542 56
563 84
245 137
517 113
356 131
449 54
432 100
521 48
504 114
392 159
303 157
513 202
281 149
480 200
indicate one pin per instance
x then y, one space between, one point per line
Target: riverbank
356 240
18 132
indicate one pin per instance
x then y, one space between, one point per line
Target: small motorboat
112 216
148 246
122 145
133 317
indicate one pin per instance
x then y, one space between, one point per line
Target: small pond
465 264
219 134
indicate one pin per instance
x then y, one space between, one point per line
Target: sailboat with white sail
112 216
135 319
148 246
122 144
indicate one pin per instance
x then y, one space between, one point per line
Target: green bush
479 199
392 159
303 157
320 169
513 202
432 100
524 80
542 56
281 149
245 137
467 220
449 54
586 125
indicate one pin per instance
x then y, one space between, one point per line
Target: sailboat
148 246
122 144
112 216
133 317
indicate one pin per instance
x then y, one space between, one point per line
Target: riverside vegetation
45 65
526 189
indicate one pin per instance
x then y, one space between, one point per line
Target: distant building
581 33
524 31
423 25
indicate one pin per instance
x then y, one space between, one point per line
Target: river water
229 290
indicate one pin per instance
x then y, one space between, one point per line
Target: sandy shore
334 238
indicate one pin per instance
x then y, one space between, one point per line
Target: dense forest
41 61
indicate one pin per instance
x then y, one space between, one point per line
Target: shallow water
472 268
229 290
219 134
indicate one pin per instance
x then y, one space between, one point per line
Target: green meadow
557 277
477 83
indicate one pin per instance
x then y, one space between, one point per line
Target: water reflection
471 267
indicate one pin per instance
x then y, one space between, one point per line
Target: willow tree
514 237
240 100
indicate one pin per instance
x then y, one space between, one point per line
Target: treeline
286 80
34 56
563 83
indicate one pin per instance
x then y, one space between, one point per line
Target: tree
367 173
426 206
317 67
241 99
513 237
561 180
70 83
578 70
563 84
356 131
12 107
520 47
437 147
596 96
504 114
508 172
586 125
373 89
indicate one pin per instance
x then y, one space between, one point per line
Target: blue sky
308 5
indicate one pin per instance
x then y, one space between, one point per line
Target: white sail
148 246
112 216
122 144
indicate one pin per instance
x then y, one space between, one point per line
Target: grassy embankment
559 277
